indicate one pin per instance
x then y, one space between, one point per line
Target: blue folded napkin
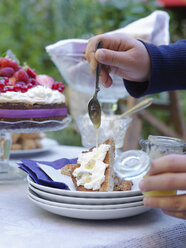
39 176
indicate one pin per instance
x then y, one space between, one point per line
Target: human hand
167 173
121 55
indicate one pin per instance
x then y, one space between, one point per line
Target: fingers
169 163
111 43
104 77
112 58
116 42
166 181
174 205
181 215
168 203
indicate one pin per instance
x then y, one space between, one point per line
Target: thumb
111 58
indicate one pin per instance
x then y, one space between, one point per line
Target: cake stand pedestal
11 174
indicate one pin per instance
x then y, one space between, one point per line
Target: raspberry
21 75
6 62
6 72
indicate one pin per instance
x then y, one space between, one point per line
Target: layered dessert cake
24 95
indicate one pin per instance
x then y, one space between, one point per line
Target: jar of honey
158 146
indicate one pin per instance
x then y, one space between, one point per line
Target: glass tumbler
110 127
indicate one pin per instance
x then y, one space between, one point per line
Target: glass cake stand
11 174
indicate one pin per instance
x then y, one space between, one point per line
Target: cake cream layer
36 95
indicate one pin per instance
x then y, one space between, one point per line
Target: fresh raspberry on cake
21 76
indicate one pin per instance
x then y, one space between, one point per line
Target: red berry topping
30 72
10 88
21 75
58 86
6 72
20 86
6 62
4 90
32 81
2 84
8 84
29 85
45 80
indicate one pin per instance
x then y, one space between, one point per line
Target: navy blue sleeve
168 70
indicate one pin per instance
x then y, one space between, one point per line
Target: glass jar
158 146
132 164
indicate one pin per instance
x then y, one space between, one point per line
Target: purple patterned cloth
39 176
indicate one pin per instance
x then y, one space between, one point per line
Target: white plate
33 195
92 214
82 200
86 194
46 145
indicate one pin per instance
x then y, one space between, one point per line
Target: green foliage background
27 26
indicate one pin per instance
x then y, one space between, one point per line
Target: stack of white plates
87 205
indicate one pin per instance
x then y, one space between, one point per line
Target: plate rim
33 194
88 194
82 200
92 214
45 148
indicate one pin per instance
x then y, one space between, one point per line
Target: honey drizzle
96 132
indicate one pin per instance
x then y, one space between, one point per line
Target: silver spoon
141 105
94 108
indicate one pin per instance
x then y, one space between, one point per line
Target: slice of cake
94 170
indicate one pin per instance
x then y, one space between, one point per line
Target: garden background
27 26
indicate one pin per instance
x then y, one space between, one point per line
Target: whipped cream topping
39 94
91 173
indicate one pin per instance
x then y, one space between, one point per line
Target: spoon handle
142 105
98 68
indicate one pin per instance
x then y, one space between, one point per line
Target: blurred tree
28 26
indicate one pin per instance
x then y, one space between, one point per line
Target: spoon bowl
94 108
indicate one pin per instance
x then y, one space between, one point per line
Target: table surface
23 224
